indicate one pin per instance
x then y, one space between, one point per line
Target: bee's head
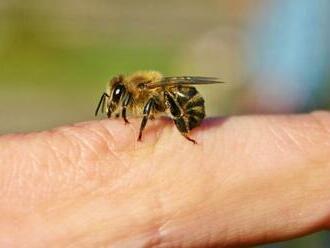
117 92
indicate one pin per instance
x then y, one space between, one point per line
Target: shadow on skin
157 127
213 122
206 124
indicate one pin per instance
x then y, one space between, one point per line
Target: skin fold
249 180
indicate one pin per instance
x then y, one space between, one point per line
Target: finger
243 172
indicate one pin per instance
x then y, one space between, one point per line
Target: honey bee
148 94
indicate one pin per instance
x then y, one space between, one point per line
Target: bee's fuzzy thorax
145 76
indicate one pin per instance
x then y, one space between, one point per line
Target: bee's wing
184 80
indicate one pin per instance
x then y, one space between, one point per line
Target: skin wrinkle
117 154
74 153
89 151
35 163
19 177
8 184
321 122
320 125
213 147
159 234
204 167
247 148
69 212
323 119
94 202
111 145
158 145
57 157
234 144
301 141
163 136
313 125
135 132
99 142
60 162
125 181
53 160
163 228
108 131
292 138
60 158
7 178
160 223
279 141
156 237
103 134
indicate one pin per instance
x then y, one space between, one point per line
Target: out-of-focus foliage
56 56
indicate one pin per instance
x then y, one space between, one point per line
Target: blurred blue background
56 57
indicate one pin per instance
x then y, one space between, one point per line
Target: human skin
249 180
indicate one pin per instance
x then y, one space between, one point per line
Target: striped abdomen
191 110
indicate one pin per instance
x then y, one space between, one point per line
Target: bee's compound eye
118 92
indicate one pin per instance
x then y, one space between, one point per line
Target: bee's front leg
101 103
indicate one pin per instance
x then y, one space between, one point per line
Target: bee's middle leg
146 115
127 100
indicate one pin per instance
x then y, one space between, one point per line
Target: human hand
249 180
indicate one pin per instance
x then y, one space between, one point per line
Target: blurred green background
56 57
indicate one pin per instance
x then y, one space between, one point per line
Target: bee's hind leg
188 138
183 128
177 116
